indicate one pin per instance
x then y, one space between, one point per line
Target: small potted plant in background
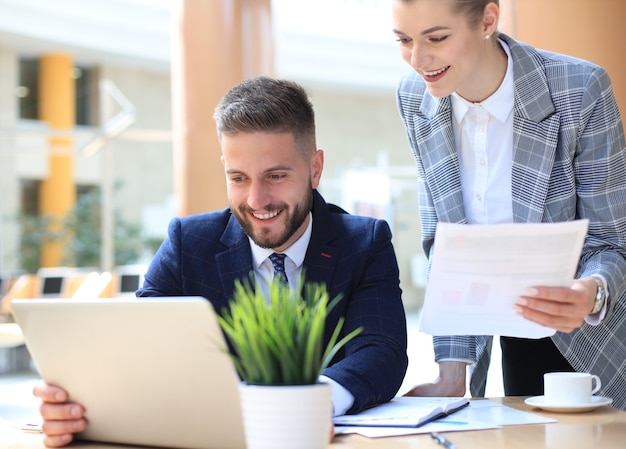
279 353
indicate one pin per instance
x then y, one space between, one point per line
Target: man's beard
296 217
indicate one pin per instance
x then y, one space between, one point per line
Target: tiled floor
17 402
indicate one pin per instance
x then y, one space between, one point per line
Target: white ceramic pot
286 417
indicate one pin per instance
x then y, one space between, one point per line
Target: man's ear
317 166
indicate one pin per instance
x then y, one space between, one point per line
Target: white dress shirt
483 135
264 273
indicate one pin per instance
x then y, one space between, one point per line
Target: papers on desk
404 412
479 415
478 272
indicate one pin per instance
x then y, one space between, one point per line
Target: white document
481 414
479 271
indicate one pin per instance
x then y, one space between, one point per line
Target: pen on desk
31 428
440 439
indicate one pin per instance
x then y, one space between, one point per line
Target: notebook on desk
149 371
405 412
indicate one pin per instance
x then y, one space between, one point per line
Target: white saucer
540 401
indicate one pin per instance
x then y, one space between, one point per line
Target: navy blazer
352 255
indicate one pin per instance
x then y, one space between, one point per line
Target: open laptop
149 371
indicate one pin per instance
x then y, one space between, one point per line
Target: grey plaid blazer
568 163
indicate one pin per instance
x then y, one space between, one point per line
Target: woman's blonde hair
472 9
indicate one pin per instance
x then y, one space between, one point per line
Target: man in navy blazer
266 129
353 256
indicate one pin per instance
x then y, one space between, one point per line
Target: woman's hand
560 308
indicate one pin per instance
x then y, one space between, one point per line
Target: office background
120 135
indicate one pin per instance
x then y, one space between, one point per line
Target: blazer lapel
535 134
321 257
235 262
433 129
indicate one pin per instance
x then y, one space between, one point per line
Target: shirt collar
499 104
295 252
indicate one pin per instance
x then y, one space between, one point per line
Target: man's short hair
266 104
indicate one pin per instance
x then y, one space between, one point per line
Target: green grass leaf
280 340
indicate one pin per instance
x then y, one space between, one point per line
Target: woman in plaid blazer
503 132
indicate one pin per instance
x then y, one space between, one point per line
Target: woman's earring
487 37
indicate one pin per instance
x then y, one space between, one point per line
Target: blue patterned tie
278 260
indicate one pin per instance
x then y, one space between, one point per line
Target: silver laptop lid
149 371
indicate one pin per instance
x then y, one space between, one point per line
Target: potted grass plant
279 353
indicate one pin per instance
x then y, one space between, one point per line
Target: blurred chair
95 285
7 279
49 282
24 286
13 285
127 279
58 282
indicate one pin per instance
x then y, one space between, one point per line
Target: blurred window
86 92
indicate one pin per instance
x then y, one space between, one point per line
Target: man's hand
451 382
61 419
560 308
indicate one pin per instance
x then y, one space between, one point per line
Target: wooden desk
603 428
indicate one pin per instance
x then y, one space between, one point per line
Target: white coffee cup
570 388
